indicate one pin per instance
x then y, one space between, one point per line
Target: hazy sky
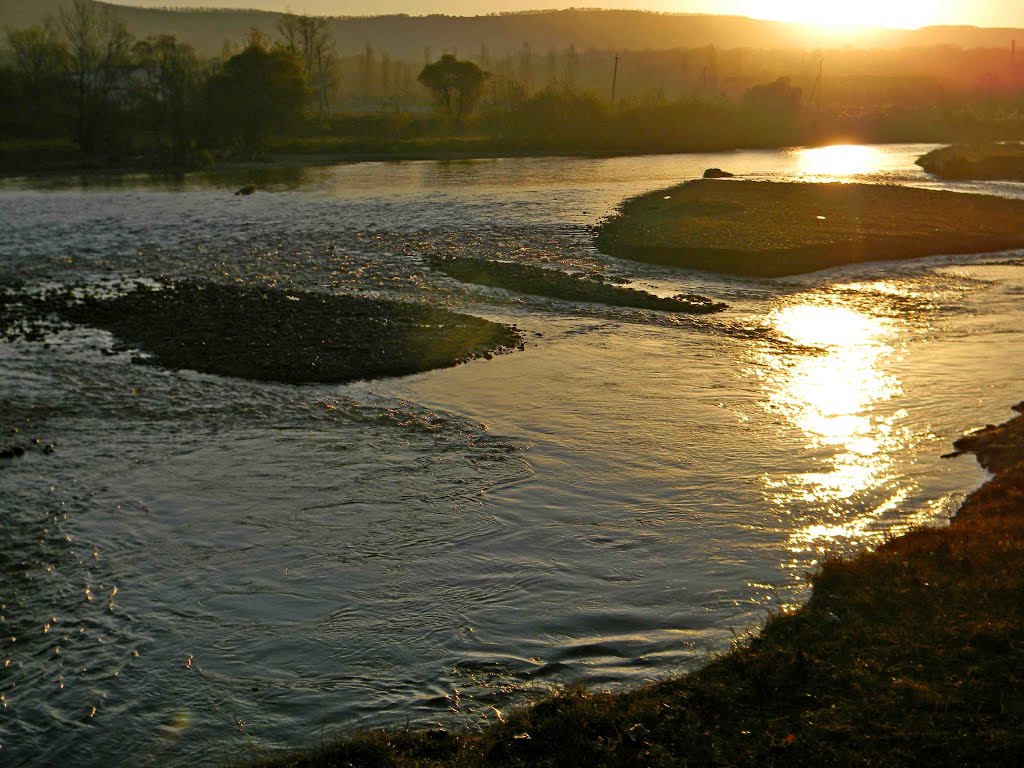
902 13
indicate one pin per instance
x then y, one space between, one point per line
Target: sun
908 14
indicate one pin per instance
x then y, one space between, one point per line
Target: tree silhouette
780 98
456 85
170 76
258 92
98 48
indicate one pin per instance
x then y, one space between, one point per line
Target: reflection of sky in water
831 389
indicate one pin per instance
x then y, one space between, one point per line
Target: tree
780 98
258 92
170 83
39 64
98 46
455 84
308 37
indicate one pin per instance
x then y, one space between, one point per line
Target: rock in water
246 190
717 173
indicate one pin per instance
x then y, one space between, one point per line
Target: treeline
81 78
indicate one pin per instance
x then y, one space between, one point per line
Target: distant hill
408 37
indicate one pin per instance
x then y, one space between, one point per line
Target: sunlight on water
839 161
602 507
830 392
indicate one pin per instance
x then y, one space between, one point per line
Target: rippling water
207 566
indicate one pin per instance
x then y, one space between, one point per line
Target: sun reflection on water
830 387
839 161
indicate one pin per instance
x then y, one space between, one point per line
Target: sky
884 13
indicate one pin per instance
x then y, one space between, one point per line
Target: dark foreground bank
264 333
908 655
770 229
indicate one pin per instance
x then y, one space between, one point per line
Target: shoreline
284 160
926 628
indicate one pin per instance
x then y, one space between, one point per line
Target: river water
207 567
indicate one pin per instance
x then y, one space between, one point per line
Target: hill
408 37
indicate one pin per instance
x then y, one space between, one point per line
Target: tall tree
170 78
310 39
98 46
257 93
39 64
367 75
455 84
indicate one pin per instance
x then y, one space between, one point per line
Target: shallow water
207 566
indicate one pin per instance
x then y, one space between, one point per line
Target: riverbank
56 158
771 229
908 655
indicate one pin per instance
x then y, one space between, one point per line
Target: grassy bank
994 161
768 229
909 655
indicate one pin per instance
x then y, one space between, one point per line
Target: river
207 567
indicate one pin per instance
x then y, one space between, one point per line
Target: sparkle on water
830 394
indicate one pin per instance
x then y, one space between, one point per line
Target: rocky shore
540 281
770 229
265 333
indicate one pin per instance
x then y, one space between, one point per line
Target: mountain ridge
410 37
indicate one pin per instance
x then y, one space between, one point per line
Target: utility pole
816 89
615 79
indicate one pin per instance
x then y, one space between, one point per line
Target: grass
909 655
768 229
541 281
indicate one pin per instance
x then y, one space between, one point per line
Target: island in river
266 334
995 161
772 229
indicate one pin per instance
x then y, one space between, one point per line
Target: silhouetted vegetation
258 92
291 86
455 84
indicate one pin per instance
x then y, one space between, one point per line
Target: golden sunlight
829 395
838 160
866 13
